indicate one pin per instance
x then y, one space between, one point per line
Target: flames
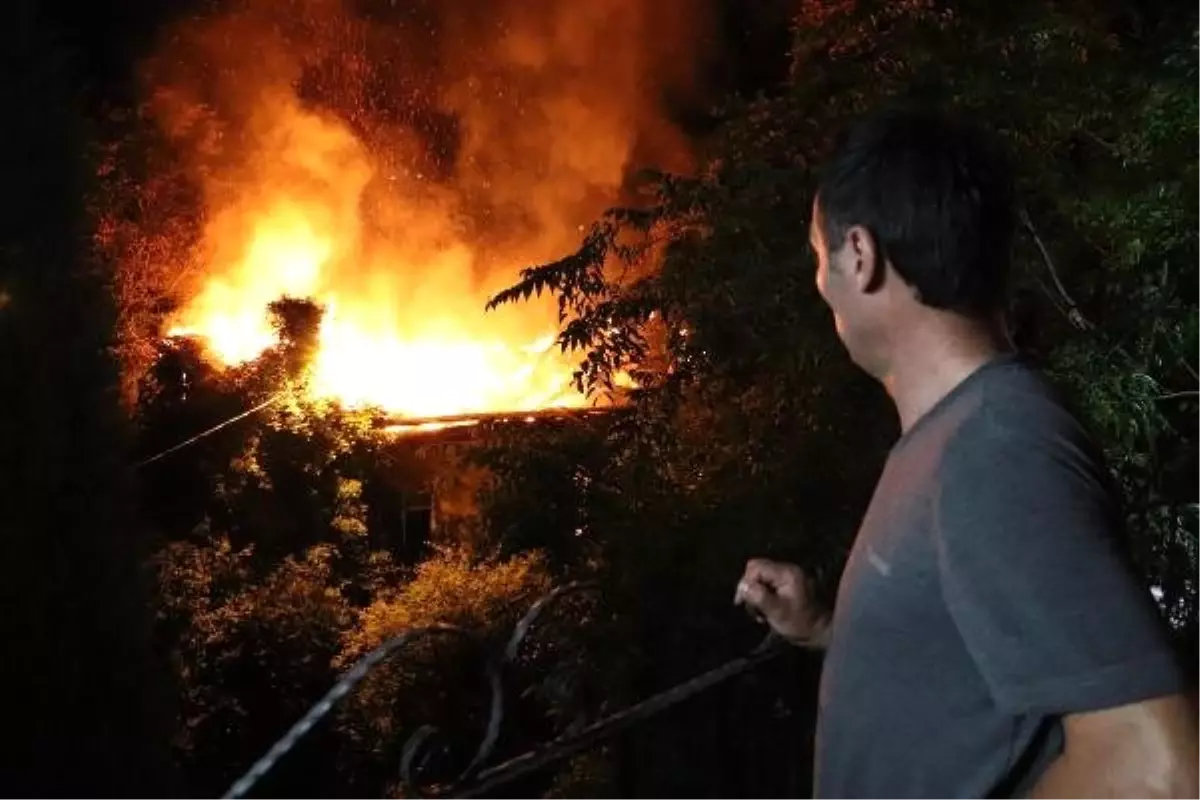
399 181
403 326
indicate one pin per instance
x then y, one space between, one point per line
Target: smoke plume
398 162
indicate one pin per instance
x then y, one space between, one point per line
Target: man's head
913 219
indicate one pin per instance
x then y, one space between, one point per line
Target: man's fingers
750 589
771 573
755 593
758 597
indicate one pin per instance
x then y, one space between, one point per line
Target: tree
252 649
440 680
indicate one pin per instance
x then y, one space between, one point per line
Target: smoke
401 161
505 123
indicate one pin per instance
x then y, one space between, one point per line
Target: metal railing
480 777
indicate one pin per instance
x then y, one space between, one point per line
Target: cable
210 431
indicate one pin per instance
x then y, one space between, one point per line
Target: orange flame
414 348
399 247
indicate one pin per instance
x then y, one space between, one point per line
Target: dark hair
938 198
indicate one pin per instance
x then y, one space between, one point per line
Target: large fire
403 325
323 178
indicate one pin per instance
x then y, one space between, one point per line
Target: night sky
108 38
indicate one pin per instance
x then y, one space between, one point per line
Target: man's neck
934 356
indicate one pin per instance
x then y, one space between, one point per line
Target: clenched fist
780 594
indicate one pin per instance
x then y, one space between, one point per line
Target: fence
740 729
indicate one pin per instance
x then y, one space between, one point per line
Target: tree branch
1191 370
1073 313
1112 149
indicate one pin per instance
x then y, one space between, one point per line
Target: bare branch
1112 149
1191 370
1073 313
1178 395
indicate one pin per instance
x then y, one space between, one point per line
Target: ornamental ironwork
480 776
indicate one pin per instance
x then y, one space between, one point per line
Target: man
988 638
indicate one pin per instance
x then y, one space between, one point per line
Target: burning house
397 166
398 169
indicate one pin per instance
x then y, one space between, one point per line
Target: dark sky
109 36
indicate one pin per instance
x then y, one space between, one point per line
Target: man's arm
1052 614
1145 749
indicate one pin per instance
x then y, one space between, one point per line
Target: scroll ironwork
477 777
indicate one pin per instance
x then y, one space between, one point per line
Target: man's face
844 278
830 281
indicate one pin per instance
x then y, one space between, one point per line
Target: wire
210 431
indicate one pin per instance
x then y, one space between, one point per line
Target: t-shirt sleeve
1032 574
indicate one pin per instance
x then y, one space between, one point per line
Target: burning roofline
418 426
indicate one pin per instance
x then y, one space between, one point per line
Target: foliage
437 678
251 652
279 568
147 224
291 474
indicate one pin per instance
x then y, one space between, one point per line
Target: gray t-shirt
985 597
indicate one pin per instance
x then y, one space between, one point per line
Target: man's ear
867 267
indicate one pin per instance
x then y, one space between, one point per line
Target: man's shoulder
1023 426
1017 403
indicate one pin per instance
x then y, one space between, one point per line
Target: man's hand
780 594
1145 749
